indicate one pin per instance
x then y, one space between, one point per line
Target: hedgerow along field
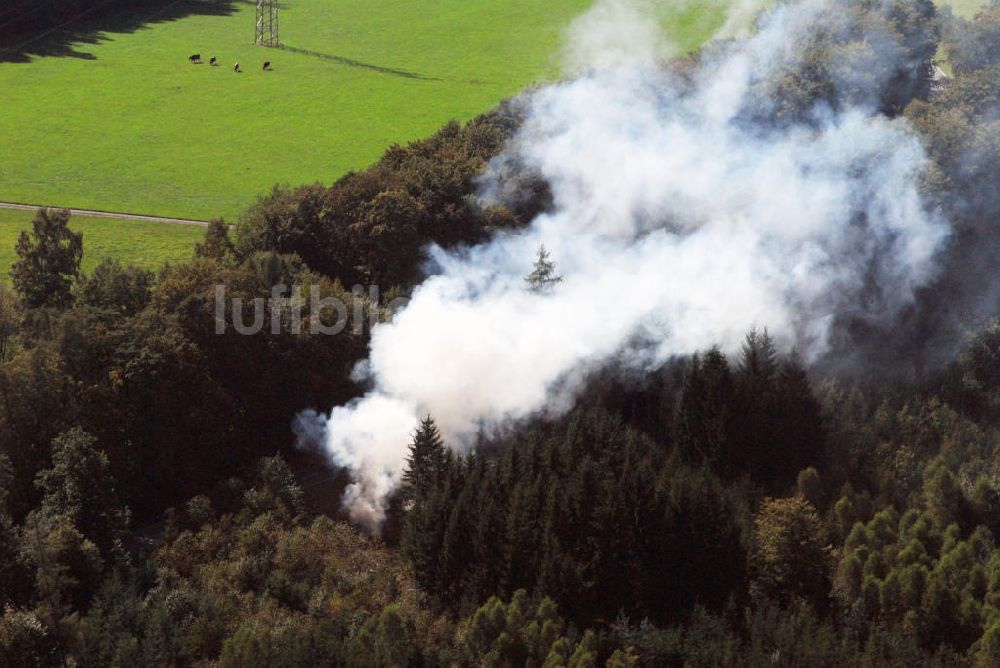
142 243
130 125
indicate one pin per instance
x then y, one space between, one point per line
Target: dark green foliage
36 407
123 290
370 227
278 491
737 513
760 418
48 260
977 373
80 488
66 566
809 486
217 245
703 419
592 514
25 641
11 313
174 405
308 584
426 462
790 561
13 577
524 632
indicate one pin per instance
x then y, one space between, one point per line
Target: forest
733 508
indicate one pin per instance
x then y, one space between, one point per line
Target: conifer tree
757 449
543 276
456 549
423 535
720 396
487 566
704 408
758 361
428 482
426 460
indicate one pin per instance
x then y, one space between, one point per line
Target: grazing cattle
213 61
196 58
267 65
236 67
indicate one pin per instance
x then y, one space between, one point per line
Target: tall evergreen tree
758 361
426 460
688 414
424 531
720 403
799 431
754 450
429 483
456 541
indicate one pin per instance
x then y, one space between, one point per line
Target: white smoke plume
617 32
676 220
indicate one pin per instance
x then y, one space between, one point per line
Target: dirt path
109 214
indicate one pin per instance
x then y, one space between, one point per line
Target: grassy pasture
129 125
145 244
965 8
119 120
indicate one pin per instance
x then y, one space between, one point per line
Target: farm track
108 214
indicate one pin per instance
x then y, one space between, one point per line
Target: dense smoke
686 209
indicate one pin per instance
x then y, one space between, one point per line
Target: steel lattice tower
267 23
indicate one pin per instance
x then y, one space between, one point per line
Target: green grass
145 244
139 129
965 8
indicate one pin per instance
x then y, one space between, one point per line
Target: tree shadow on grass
70 38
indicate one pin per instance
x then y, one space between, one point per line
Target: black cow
196 58
267 65
213 61
236 67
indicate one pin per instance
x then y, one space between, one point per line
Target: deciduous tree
48 260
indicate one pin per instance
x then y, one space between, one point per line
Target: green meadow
141 243
966 8
121 121
126 123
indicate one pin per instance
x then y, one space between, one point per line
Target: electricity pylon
267 23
